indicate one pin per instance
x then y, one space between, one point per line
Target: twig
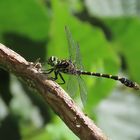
53 94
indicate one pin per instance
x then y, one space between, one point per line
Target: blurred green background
108 32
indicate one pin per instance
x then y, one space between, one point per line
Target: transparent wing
75 57
78 60
72 85
71 45
74 50
83 90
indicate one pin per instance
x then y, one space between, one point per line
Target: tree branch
52 93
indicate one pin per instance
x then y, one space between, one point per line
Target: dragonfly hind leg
61 79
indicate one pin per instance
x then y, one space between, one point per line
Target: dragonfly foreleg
55 73
48 71
56 77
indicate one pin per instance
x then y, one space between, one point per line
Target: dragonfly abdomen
124 81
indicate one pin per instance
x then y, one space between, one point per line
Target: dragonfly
73 66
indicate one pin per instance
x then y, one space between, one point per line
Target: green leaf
127 32
26 17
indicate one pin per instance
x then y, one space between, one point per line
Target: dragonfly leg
48 71
56 75
61 78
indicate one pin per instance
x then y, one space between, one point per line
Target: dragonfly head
52 61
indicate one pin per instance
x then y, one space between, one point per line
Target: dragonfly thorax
62 65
